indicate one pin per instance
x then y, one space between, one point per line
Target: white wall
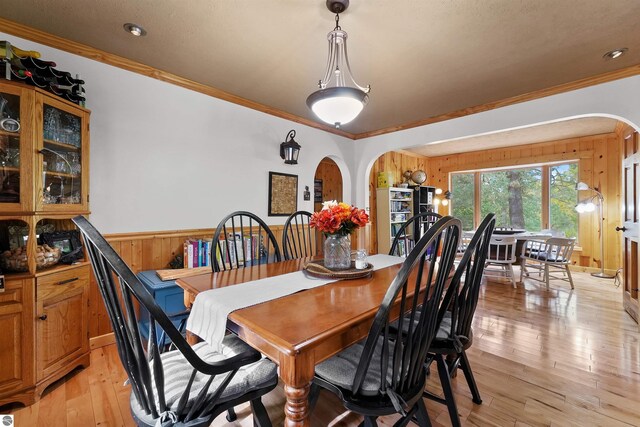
617 99
166 158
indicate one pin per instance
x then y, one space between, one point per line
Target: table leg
188 303
296 409
296 372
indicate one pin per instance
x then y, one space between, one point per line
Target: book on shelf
197 253
236 249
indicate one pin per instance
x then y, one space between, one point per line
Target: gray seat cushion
177 371
444 331
341 368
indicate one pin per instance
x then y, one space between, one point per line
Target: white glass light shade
589 207
582 186
436 201
445 202
580 208
438 191
337 105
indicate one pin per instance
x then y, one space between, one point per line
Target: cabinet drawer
55 284
12 292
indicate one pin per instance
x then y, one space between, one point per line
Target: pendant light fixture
339 99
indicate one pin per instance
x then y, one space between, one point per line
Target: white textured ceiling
423 58
543 133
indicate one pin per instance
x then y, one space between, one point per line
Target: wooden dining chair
455 335
547 257
188 386
385 373
501 257
242 239
411 231
298 239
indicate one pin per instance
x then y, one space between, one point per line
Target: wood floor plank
541 357
52 408
103 397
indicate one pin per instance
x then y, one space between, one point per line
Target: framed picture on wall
317 191
283 194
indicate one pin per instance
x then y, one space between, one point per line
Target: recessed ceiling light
613 54
135 29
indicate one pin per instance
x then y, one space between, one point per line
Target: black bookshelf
423 196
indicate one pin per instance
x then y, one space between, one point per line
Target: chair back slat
418 286
559 249
298 239
502 249
184 397
119 286
462 295
411 231
242 239
553 250
158 368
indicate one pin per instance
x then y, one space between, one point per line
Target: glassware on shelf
51 123
74 161
75 197
74 129
62 164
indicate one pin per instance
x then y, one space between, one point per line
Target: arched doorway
327 185
327 182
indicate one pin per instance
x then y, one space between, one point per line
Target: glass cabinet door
62 156
9 149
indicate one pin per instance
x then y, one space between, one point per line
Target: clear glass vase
337 251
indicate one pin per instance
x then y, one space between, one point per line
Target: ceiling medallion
339 99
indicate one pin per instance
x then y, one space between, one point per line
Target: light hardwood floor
541 358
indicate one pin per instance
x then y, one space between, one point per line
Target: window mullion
545 197
477 206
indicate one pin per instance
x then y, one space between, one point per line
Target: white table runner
208 318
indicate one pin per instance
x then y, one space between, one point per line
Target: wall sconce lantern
290 149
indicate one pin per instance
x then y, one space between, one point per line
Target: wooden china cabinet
44 182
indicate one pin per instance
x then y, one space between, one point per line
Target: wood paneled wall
329 172
600 159
397 163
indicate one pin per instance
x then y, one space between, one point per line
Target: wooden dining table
302 329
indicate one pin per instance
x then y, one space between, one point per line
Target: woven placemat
317 269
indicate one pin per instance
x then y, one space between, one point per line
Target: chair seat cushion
177 371
543 256
442 344
444 331
340 369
